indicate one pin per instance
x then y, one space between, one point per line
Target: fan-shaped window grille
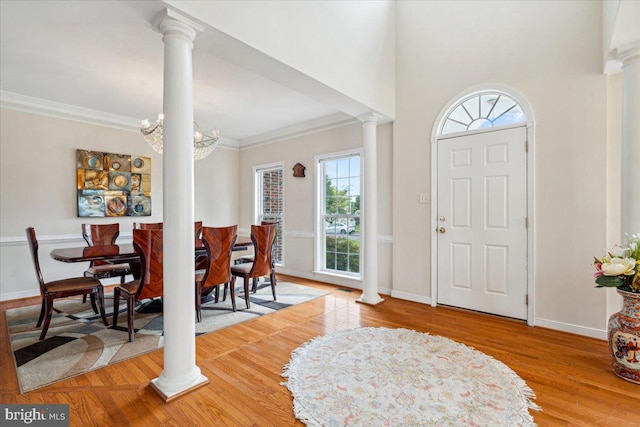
481 111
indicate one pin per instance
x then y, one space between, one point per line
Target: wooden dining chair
148 245
102 270
200 260
63 288
218 242
249 258
197 227
100 234
262 237
103 235
147 225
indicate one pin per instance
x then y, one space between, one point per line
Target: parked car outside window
339 227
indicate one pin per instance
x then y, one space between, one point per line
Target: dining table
127 253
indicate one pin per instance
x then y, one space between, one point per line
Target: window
481 111
339 214
270 203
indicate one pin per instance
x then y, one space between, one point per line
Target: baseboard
329 278
19 295
411 297
571 328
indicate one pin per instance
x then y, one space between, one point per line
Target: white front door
482 214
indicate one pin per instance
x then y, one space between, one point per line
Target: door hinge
526 222
526 146
526 299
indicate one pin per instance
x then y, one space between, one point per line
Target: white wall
551 53
38 189
348 46
300 195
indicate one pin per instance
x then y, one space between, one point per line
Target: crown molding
43 107
29 104
311 126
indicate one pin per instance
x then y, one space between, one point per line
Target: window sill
356 280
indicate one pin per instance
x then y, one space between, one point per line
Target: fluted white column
630 215
180 372
370 220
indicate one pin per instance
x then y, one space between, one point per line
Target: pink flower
598 265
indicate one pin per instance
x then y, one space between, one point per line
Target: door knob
442 230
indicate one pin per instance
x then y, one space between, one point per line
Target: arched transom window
481 111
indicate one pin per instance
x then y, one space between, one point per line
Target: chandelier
203 144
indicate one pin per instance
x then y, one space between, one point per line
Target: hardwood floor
571 375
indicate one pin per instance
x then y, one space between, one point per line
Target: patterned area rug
78 342
399 377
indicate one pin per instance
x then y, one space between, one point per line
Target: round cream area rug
399 377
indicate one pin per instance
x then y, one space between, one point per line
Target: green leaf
609 281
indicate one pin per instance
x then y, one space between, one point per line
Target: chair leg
41 314
93 302
100 298
130 304
84 298
273 284
47 317
233 292
198 296
116 306
122 279
216 294
254 287
246 290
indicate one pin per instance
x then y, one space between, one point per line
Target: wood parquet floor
570 374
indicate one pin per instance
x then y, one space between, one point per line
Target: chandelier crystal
203 144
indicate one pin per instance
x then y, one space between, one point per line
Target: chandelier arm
203 144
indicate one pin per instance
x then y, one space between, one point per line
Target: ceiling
104 56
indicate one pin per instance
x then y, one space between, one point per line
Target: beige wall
37 188
551 53
300 194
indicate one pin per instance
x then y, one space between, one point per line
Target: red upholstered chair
218 242
262 237
148 244
103 235
63 288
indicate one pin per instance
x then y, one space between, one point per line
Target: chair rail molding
382 238
50 239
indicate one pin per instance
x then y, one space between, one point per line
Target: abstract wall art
112 184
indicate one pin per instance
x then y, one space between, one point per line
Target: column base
368 301
168 396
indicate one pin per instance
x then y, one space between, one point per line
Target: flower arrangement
620 268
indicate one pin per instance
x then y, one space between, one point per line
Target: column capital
629 54
170 22
370 118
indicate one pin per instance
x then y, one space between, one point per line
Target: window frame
479 113
258 207
320 236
